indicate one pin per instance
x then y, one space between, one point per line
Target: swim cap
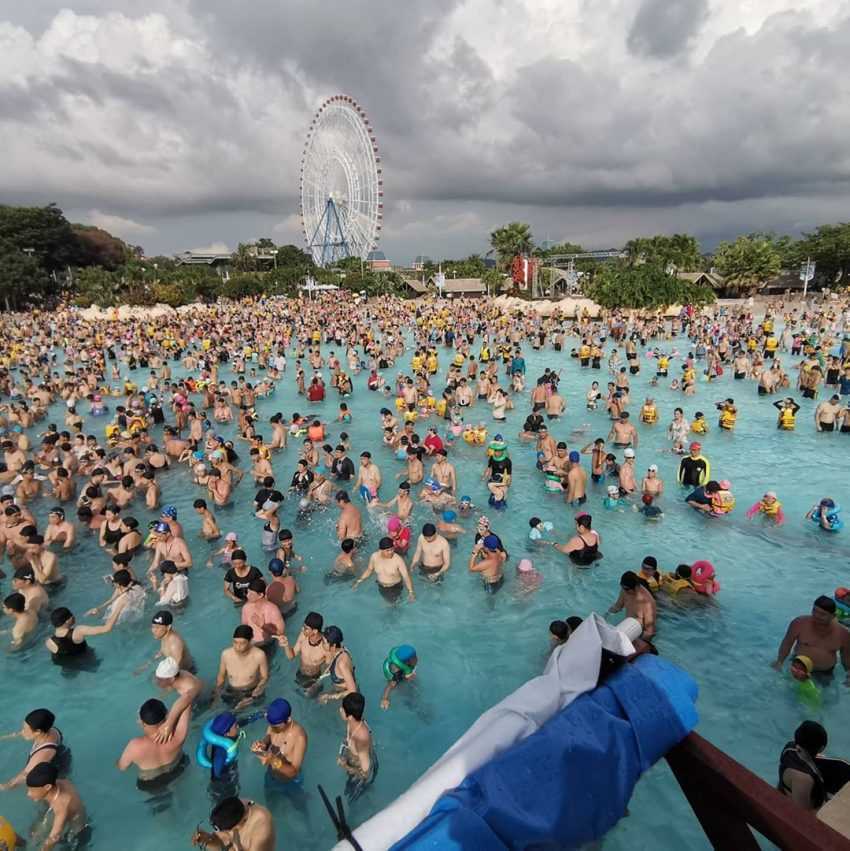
393 524
198 455
653 468
230 536
491 542
525 566
465 499
725 484
222 723
333 635
806 662
278 711
574 456
631 628
163 619
385 544
162 527
484 521
695 447
629 452
650 561
613 490
405 652
646 499
167 668
449 516
169 511
770 494
276 567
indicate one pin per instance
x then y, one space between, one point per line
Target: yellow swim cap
806 662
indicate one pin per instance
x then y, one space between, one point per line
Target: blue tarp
570 782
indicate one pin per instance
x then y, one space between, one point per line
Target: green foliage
94 285
560 248
647 286
748 262
23 280
99 248
679 250
829 247
46 231
510 240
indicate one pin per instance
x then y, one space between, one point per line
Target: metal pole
806 278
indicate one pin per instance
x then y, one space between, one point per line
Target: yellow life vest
484 354
673 585
723 502
411 416
771 509
440 408
584 352
649 414
416 363
663 362
728 419
787 419
399 403
698 426
469 434
771 344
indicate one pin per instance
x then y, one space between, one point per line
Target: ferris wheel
342 187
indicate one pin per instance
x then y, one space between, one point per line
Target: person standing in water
357 756
62 799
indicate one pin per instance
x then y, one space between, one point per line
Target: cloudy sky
180 123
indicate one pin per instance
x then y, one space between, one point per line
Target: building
377 262
216 259
420 262
711 279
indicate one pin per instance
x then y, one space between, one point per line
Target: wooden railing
728 799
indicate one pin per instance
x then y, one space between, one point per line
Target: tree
45 230
510 240
679 250
94 285
647 286
493 281
748 262
97 247
23 279
829 247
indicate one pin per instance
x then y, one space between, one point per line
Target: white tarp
572 670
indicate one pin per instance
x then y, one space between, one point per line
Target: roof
416 285
463 285
202 257
711 278
376 255
421 258
787 279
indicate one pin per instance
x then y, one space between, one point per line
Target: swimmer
282 589
432 555
638 602
770 506
539 528
171 643
170 677
649 511
390 571
25 621
528 578
312 649
357 757
47 746
155 759
68 639
399 667
819 637
243 670
209 525
262 615
284 746
62 799
447 527
487 560
238 823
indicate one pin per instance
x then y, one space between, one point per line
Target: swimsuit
493 587
67 647
391 592
588 554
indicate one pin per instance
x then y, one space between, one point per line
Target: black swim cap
811 736
40 720
44 774
629 580
243 631
153 712
163 619
60 616
429 529
650 561
227 814
333 635
385 544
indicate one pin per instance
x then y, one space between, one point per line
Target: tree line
45 259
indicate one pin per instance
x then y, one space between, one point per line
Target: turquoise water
473 649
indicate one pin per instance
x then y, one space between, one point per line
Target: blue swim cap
276 566
278 711
574 456
449 516
162 527
465 499
491 542
405 652
198 455
169 511
222 723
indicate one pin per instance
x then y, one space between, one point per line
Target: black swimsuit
112 536
67 647
588 554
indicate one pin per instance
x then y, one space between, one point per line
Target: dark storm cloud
208 121
662 28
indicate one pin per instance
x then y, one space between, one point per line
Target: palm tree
510 240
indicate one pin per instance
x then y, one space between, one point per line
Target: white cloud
117 225
214 248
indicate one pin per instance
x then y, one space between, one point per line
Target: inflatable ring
393 660
230 746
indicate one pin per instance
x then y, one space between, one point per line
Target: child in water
801 670
649 511
770 507
529 579
538 529
614 500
